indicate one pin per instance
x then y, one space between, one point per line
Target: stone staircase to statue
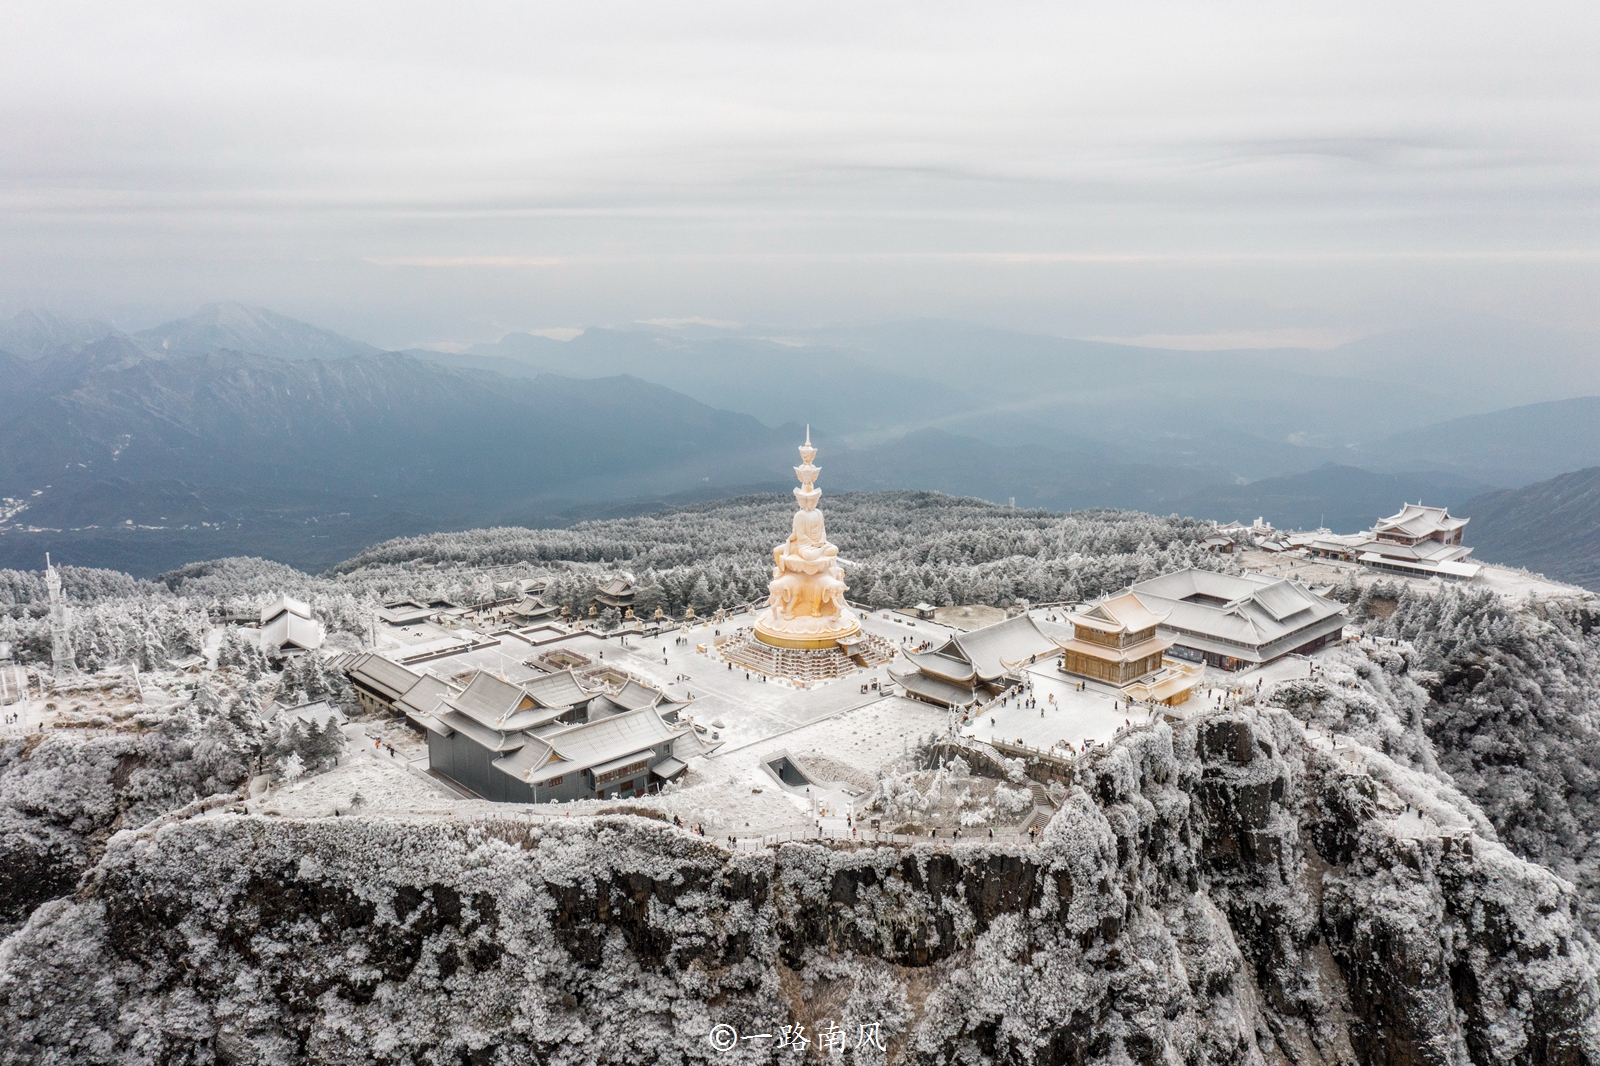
865 651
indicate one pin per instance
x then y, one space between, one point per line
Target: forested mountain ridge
240 431
1552 527
898 548
197 456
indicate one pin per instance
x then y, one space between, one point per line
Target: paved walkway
1095 713
748 707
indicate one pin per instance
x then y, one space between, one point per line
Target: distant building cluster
1418 542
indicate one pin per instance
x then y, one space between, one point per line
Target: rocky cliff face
1222 892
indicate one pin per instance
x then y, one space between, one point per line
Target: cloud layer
1115 169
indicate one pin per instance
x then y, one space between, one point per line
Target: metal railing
802 834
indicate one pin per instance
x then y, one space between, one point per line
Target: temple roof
1430 551
284 604
634 695
944 666
288 628
491 701
556 690
384 676
423 697
1119 614
934 689
996 650
1151 646
482 735
1415 520
1246 609
589 745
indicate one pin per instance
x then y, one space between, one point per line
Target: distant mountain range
1345 499
35 334
1551 527
1254 414
241 430
1503 448
140 462
237 328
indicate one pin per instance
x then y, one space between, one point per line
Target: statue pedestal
789 633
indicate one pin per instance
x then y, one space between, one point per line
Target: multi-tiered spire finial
807 493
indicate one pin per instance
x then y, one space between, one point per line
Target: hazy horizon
1232 176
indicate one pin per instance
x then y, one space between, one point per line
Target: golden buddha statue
806 607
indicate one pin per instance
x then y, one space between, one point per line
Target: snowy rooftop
1247 610
996 650
1415 520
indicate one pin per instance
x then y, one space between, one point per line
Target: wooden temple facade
1115 641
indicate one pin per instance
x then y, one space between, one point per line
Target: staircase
1043 808
805 664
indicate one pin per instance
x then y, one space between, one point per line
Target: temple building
287 627
1115 641
548 739
1418 542
380 683
807 632
617 593
1238 621
976 665
529 609
1118 642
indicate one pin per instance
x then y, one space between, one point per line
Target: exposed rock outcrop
1221 892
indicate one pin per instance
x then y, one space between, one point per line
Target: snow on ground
849 748
1095 713
1519 584
1288 668
387 784
748 707
1509 582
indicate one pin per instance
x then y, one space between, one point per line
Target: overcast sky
417 173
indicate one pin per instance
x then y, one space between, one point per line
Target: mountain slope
750 374
34 334
1004 388
241 328
1216 892
1050 478
1345 499
1552 527
1508 447
1469 359
307 460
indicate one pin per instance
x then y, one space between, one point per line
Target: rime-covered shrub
1514 715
